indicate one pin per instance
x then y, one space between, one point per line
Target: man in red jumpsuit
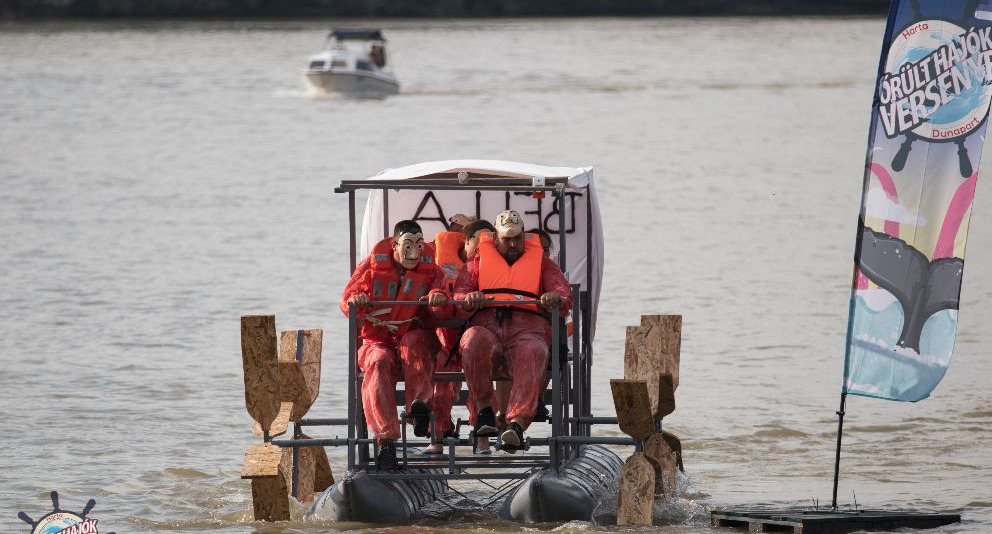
509 265
398 341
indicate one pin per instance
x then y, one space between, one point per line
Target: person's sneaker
485 423
501 421
420 412
482 446
542 413
512 438
450 432
434 448
386 459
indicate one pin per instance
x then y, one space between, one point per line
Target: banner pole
840 433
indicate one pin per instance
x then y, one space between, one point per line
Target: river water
160 179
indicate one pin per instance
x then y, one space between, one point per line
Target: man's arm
553 281
467 282
438 287
356 286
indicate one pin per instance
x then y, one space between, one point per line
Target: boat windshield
374 50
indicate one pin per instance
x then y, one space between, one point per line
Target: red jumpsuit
519 345
445 393
447 245
387 354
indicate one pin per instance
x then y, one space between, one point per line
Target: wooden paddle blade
261 461
314 472
292 385
630 397
260 361
662 458
635 506
323 477
675 444
270 493
652 350
279 426
663 333
307 352
666 396
305 474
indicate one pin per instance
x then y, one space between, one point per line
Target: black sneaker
512 438
450 432
542 413
420 412
386 460
485 423
501 422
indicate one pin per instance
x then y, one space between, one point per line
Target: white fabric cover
414 204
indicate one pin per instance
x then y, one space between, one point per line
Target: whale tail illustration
921 286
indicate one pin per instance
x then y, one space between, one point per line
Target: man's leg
527 361
381 368
503 388
480 349
417 350
444 399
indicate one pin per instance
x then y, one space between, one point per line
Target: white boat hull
359 84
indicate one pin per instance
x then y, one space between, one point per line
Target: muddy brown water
161 178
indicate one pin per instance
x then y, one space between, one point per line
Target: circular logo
56 522
936 78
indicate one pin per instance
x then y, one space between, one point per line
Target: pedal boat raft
565 471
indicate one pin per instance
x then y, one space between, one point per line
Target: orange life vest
430 251
387 284
447 245
520 281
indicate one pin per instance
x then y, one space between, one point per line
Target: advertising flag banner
928 121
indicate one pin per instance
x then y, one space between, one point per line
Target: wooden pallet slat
827 522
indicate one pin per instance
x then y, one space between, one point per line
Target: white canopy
432 208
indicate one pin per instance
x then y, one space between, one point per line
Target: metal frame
571 373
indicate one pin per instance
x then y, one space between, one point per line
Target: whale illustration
921 286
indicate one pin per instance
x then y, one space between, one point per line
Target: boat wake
680 509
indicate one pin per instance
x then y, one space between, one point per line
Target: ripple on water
878 429
778 432
184 472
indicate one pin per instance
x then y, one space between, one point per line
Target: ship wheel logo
63 521
936 88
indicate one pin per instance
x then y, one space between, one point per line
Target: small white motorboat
352 63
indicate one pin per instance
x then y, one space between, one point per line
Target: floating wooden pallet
826 522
